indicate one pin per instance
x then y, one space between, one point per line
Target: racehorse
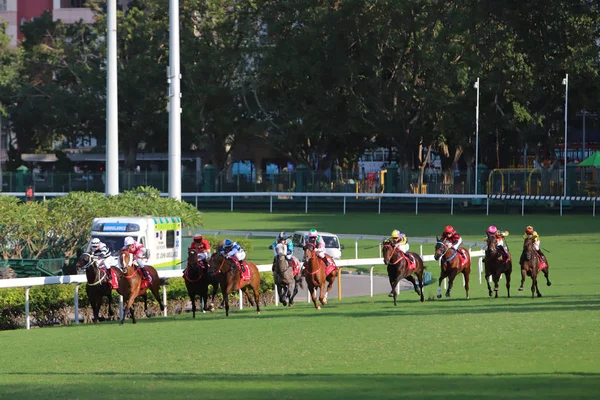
230 279
309 254
451 266
283 274
398 268
130 284
97 284
530 265
197 279
545 270
495 266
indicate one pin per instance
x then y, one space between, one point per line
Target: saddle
246 274
113 282
331 267
543 264
412 265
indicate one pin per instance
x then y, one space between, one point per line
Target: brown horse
197 279
451 266
97 285
229 276
545 270
309 253
398 268
530 265
130 284
495 266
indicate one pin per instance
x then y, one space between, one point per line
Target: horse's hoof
468 298
391 295
539 295
520 289
447 294
284 303
549 283
490 293
439 296
318 307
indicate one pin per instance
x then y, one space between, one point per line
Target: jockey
235 252
400 241
319 243
282 238
100 252
138 251
492 231
201 246
531 233
450 235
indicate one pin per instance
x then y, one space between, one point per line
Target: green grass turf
359 348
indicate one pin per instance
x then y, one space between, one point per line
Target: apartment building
17 12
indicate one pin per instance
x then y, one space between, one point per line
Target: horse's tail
164 281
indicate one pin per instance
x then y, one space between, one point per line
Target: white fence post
27 317
164 296
76 304
241 300
371 278
276 290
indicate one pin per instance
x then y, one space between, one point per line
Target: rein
91 262
187 278
400 258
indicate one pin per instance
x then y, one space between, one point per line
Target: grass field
359 348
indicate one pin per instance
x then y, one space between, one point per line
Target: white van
332 244
161 236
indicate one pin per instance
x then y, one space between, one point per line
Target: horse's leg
256 288
496 279
488 273
111 313
323 292
421 276
95 303
330 279
294 293
313 295
412 280
451 277
443 275
537 290
546 272
394 287
523 275
467 274
146 312
193 300
224 290
214 294
507 274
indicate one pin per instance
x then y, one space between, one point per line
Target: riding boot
145 274
410 257
108 275
242 267
326 261
542 256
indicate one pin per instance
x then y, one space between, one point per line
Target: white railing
357 238
306 195
27 283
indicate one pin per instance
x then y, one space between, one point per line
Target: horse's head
281 249
125 259
528 244
387 251
83 262
192 260
309 250
219 263
440 248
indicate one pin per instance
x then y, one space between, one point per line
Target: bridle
394 250
92 262
443 255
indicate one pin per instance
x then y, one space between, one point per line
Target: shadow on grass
135 385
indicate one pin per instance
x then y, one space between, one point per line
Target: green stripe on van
175 264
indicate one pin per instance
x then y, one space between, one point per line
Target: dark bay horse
130 285
545 270
530 266
197 279
398 268
495 266
310 253
451 266
97 285
283 275
229 276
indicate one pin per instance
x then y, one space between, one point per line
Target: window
170 239
72 3
3 5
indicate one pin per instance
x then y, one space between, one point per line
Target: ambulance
161 236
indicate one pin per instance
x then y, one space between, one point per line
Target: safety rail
27 283
513 200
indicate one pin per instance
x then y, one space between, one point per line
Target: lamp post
566 83
476 86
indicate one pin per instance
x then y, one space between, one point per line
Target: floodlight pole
112 110
477 138
173 78
566 83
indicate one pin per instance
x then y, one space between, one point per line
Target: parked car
332 244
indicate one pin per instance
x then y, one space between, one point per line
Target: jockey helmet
129 241
198 238
313 233
529 230
492 230
282 236
227 243
395 234
95 243
449 229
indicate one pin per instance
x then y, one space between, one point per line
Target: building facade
17 12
